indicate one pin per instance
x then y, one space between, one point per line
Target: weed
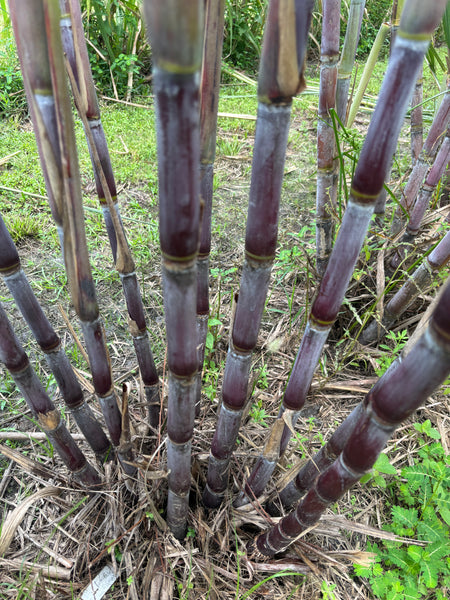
258 413
211 374
420 510
22 226
391 353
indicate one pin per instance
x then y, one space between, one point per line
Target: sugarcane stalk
348 54
85 97
380 204
394 398
51 97
367 73
417 119
281 77
422 203
48 417
327 165
370 172
209 103
19 287
35 69
426 158
175 31
306 476
416 284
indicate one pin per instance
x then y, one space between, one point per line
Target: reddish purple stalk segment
426 158
396 396
416 284
434 176
367 183
48 340
281 77
261 236
327 165
16 361
209 103
176 35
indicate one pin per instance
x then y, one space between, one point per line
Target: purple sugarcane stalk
355 16
176 34
48 417
367 183
426 158
306 476
417 119
416 284
394 398
48 340
40 50
327 165
422 202
209 103
74 44
281 77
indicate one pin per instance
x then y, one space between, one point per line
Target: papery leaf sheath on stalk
355 15
281 77
327 165
85 97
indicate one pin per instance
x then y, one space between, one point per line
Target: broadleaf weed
421 511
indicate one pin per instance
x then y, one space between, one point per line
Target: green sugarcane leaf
446 25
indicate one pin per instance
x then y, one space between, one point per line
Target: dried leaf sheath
281 77
33 57
417 119
18 285
62 155
16 361
86 101
176 35
396 396
368 180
